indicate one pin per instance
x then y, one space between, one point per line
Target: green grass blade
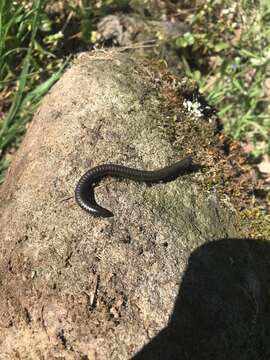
22 80
42 89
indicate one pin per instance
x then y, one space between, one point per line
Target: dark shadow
223 307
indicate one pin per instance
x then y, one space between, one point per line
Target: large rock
77 287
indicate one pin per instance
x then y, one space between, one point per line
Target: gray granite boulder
77 287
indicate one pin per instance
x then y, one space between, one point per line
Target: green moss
196 136
259 227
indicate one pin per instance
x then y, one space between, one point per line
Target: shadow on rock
223 307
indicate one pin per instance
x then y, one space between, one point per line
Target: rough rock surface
77 287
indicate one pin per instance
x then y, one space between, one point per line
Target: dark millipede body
84 192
